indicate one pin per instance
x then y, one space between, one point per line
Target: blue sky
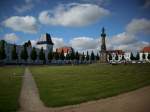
77 23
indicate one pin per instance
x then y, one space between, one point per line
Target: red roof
146 49
65 49
116 51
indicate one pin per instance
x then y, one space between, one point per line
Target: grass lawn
10 86
67 85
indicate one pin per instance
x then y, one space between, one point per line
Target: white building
119 55
145 51
44 41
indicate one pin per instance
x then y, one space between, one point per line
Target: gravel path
135 101
29 98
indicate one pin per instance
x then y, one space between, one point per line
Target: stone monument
103 52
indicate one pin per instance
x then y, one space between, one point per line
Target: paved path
29 98
135 101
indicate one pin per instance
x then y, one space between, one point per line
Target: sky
77 23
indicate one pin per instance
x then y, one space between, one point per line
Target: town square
74 56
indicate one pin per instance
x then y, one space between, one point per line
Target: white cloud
137 46
28 5
33 42
73 15
129 40
123 38
84 43
58 42
25 24
11 37
139 26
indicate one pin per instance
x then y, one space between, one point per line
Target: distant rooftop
146 49
65 49
116 51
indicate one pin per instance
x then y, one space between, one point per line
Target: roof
116 51
146 49
65 49
45 39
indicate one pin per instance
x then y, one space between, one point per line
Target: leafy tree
77 56
92 56
67 56
87 56
132 56
143 56
56 55
116 58
24 53
110 57
123 57
137 56
50 56
97 57
148 56
62 57
72 55
27 44
33 54
2 50
42 55
83 57
14 55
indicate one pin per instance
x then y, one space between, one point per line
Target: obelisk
103 52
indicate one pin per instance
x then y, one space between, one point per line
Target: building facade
146 52
44 42
65 49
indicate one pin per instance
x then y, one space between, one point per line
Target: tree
67 56
148 56
83 57
42 55
72 55
87 56
62 57
77 56
97 57
33 54
143 56
2 50
56 55
137 56
123 57
14 55
110 57
116 58
92 56
132 56
50 55
24 53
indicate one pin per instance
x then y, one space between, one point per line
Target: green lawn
10 86
67 85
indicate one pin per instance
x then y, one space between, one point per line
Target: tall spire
103 44
103 52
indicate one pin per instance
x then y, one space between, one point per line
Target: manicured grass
67 85
10 85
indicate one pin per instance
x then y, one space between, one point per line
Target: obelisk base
103 57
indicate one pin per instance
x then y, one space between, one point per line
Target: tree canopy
42 54
14 54
33 54
2 50
24 53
